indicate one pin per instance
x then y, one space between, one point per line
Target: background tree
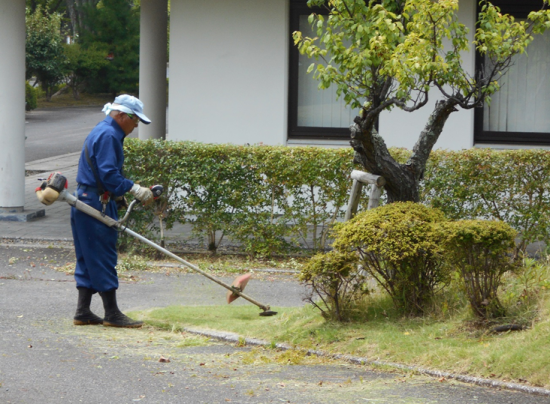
385 54
81 65
113 26
44 49
48 6
76 13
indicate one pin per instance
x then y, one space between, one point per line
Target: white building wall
229 78
228 71
401 129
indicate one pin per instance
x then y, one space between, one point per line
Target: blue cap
133 104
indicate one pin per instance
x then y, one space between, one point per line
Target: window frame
298 8
482 136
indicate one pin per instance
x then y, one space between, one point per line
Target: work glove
142 194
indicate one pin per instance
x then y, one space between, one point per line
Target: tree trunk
402 180
76 11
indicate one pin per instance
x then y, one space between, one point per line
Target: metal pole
12 106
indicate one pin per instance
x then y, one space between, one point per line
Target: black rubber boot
84 315
113 316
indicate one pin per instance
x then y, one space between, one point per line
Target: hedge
512 186
277 199
271 199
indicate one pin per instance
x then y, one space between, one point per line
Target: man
100 181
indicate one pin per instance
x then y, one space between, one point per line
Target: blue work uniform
95 242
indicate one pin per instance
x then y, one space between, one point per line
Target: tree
44 49
49 6
113 25
82 64
385 54
76 12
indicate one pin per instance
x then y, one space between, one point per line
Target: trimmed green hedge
512 186
272 199
276 199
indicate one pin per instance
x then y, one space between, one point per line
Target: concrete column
152 67
12 106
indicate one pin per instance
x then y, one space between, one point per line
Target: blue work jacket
105 148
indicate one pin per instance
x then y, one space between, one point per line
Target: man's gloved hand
142 194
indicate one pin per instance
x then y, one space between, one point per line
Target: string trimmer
55 188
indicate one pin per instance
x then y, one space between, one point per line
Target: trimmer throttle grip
157 191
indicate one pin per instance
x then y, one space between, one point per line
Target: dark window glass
518 113
313 113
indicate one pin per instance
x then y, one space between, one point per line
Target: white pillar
12 105
152 67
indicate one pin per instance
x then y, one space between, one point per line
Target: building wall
229 77
228 71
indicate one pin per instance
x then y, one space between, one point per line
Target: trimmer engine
49 190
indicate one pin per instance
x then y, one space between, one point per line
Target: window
518 112
313 113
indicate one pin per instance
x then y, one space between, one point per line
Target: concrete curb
235 338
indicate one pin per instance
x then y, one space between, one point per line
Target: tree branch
429 136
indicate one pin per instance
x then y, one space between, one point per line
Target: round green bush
400 247
482 251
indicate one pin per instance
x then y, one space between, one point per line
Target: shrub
266 197
275 199
336 280
481 251
31 97
399 247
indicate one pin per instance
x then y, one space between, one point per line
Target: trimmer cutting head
267 313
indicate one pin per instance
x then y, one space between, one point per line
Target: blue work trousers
95 245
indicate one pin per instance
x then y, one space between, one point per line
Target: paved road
45 359
53 132
56 131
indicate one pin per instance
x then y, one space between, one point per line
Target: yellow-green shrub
31 97
399 247
272 199
335 279
481 251
508 185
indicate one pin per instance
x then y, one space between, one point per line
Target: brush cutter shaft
81 206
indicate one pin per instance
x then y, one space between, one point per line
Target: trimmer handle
157 191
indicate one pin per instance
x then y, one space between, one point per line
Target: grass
448 339
444 345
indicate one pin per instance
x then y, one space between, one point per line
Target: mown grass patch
450 344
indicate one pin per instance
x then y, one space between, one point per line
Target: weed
132 263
